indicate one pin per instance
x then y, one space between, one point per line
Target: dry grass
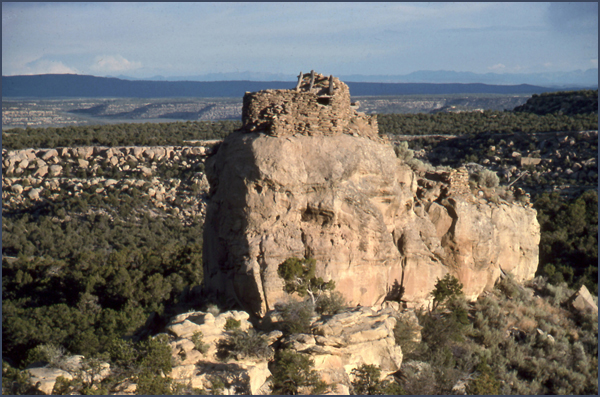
527 324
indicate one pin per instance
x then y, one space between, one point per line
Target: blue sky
186 39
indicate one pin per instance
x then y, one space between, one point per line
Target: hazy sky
184 39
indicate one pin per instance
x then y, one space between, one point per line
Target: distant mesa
82 86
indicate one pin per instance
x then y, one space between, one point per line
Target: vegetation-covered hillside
472 123
564 102
143 134
93 270
514 340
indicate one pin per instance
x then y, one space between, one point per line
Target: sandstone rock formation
44 378
348 340
281 189
337 345
197 369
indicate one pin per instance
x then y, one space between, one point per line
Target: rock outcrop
44 377
583 301
348 340
343 197
336 344
197 369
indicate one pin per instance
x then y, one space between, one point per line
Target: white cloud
113 63
497 67
44 66
594 62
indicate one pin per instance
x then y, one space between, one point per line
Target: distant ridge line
84 86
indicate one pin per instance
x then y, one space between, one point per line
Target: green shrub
240 345
299 277
403 152
217 385
486 383
487 178
406 335
213 309
199 343
50 354
445 290
367 382
510 288
16 382
293 374
331 303
155 365
232 324
297 317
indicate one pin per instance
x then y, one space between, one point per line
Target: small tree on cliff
299 276
446 290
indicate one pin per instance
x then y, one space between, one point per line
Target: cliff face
341 196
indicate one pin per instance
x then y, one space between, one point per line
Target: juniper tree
299 276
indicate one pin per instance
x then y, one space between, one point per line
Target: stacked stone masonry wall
308 111
459 182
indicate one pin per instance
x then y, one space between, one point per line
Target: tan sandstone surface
346 200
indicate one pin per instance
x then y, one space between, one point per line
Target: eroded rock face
331 198
365 216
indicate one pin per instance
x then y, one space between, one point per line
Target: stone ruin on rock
309 176
319 105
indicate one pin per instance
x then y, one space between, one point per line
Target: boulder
83 153
44 378
487 238
17 188
583 301
42 171
149 153
360 336
337 344
50 154
331 198
34 194
138 152
110 182
335 199
145 170
15 157
55 169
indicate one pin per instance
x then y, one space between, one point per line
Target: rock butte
309 176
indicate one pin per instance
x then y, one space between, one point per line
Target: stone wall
306 110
